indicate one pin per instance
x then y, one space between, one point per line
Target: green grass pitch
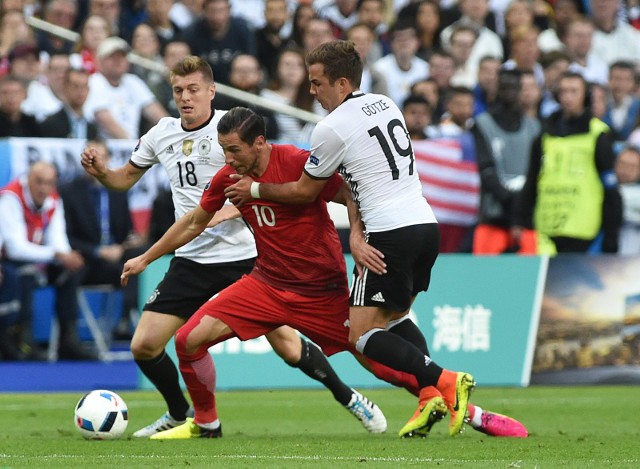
570 427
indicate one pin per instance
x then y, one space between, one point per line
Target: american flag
449 175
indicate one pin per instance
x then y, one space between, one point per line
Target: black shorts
409 253
187 285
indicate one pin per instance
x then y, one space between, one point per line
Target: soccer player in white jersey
364 137
188 150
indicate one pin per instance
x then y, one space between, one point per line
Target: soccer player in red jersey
299 278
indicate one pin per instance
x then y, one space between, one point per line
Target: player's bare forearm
355 219
296 192
343 196
364 255
120 179
303 191
181 232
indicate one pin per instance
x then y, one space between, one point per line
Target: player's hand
132 267
367 256
240 192
92 162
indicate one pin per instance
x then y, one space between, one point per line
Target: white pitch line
286 458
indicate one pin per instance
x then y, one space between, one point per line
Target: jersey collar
353 94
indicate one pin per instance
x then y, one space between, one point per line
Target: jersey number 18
189 175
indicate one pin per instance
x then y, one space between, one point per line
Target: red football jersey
298 246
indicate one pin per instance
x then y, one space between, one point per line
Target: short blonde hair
192 64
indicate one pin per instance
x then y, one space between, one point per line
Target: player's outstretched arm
190 225
120 179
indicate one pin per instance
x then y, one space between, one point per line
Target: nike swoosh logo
455 407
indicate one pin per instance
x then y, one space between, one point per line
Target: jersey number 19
388 153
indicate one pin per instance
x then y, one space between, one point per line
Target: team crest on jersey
314 160
204 147
187 147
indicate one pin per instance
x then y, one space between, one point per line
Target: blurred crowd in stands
503 99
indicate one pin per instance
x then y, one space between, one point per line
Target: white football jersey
191 158
366 140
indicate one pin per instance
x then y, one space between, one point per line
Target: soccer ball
101 415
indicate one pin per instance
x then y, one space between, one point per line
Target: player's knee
289 351
145 349
361 341
290 356
186 344
181 342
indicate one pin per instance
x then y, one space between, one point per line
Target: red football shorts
252 308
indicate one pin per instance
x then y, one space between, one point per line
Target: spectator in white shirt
118 99
577 40
45 96
33 227
463 40
474 13
401 67
614 39
525 51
